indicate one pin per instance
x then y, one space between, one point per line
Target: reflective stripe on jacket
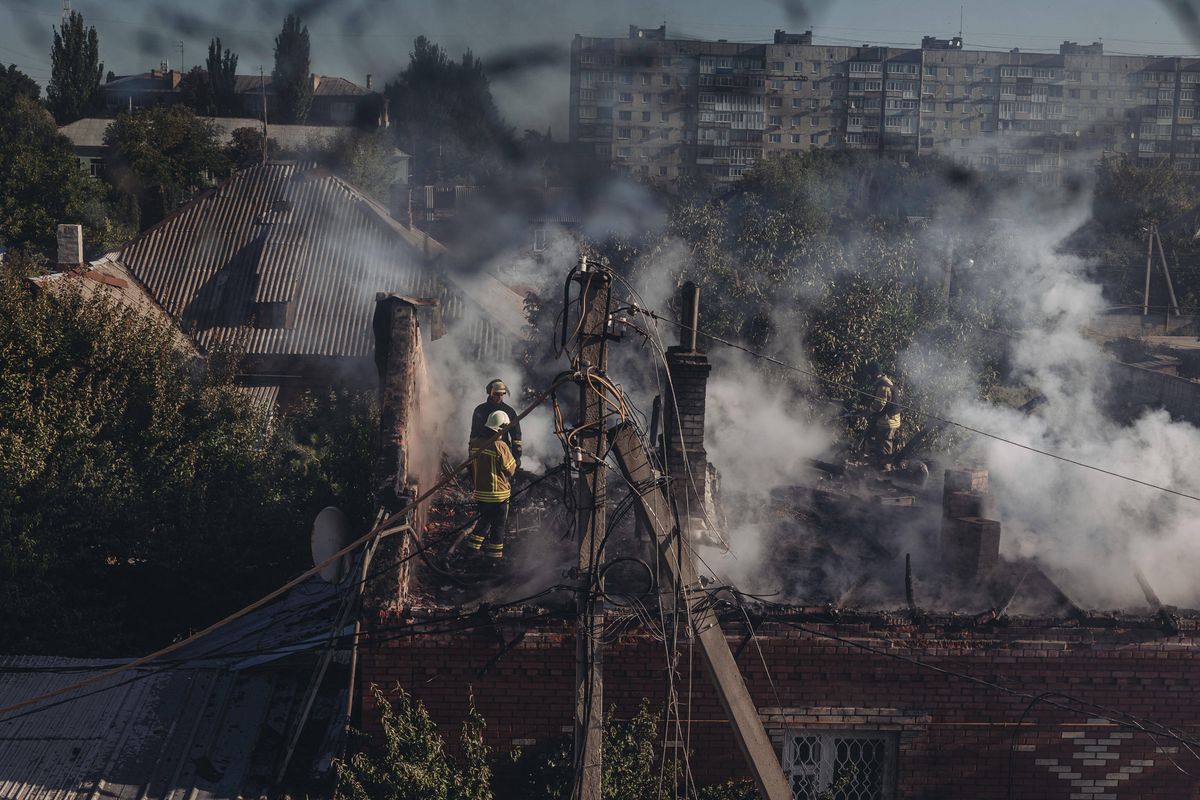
492 465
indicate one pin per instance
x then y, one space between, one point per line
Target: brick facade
954 738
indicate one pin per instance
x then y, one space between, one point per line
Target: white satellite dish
331 532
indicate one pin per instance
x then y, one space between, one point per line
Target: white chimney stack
70 246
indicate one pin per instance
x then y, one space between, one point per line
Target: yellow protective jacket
883 404
492 467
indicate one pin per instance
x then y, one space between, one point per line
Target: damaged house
899 654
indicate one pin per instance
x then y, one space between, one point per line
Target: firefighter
492 468
883 416
496 392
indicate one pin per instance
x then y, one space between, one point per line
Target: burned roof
298 254
212 720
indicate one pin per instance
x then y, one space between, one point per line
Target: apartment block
662 108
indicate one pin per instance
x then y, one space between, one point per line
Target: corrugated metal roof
329 86
209 722
287 240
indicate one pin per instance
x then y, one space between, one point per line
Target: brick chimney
970 541
683 419
368 80
70 247
176 77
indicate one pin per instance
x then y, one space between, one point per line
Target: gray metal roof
211 721
297 236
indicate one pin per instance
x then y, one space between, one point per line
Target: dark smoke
511 63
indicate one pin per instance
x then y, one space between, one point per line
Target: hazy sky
355 37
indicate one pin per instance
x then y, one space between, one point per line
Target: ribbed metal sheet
211 724
293 235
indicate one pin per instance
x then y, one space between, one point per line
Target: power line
926 414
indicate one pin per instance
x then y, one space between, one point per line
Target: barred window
854 765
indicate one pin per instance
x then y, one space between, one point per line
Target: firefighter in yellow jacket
492 468
883 416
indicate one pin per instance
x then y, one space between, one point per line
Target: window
814 138
774 138
776 84
797 102
625 116
665 79
813 122
817 760
539 239
622 133
795 138
796 120
777 66
665 116
626 97
775 102
797 86
627 79
662 171
624 152
814 68
930 71
797 67
774 119
946 125
96 167
585 58
587 112
645 116
950 106
645 97
814 104
665 97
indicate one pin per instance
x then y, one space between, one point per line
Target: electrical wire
926 414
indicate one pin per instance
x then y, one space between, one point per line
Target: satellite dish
331 532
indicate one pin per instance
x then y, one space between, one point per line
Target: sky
352 38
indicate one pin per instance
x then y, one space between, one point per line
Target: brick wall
955 738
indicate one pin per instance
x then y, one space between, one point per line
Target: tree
136 483
446 117
413 763
14 84
41 184
291 78
222 75
366 159
245 148
75 72
196 92
163 156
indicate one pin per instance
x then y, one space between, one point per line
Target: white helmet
496 420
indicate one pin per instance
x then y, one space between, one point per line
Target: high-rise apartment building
661 108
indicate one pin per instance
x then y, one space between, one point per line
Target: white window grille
855 765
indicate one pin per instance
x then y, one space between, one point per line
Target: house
253 709
336 101
285 259
87 140
964 673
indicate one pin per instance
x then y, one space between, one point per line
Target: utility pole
262 91
595 288
182 68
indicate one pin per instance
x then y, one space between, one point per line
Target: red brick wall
956 738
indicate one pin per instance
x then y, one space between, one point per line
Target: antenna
179 44
960 18
66 11
262 90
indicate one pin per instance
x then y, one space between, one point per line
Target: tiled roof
212 721
293 240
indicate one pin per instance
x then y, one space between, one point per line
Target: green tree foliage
446 118
222 75
291 78
364 158
14 84
196 92
41 184
245 148
75 72
162 156
135 485
412 763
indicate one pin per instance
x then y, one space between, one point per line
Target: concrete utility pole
262 90
679 571
595 287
